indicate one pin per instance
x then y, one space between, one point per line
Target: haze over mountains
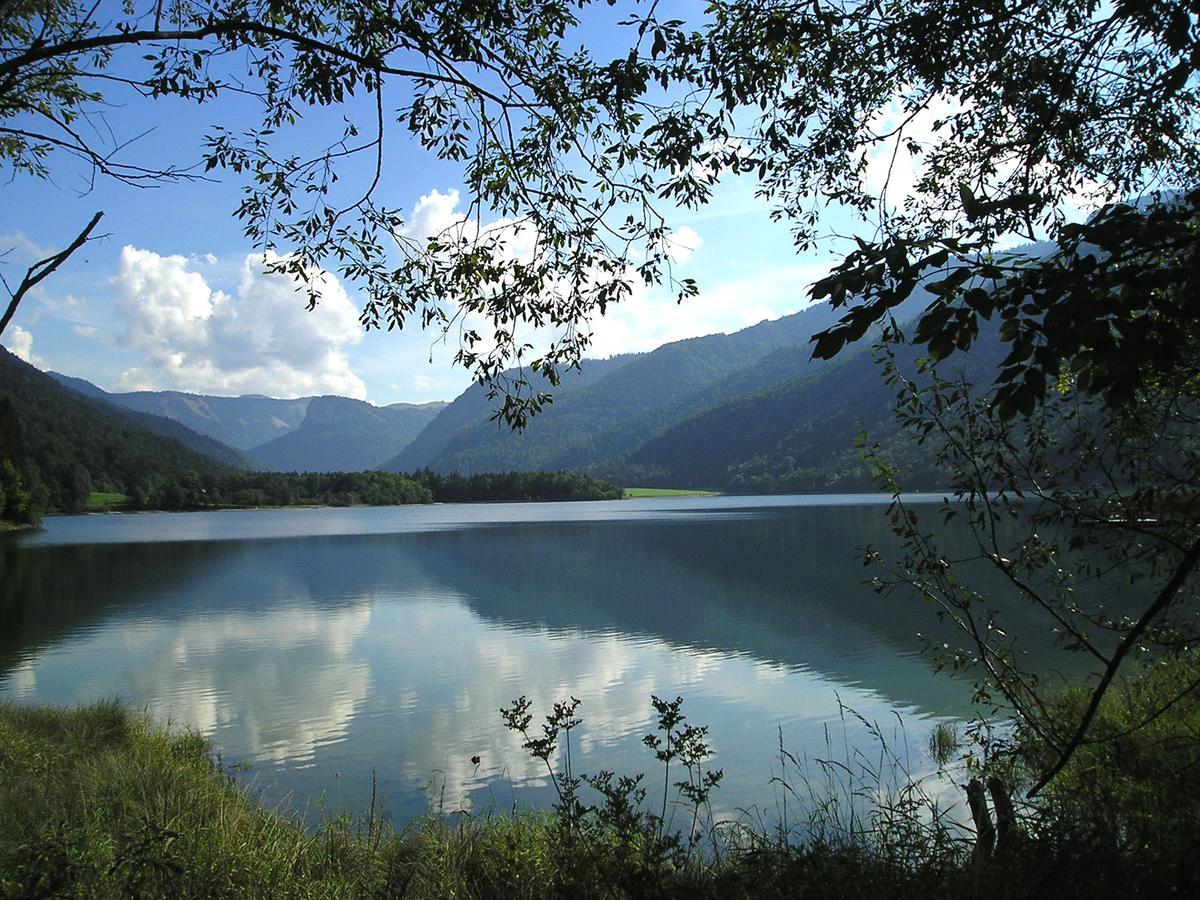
306 434
748 411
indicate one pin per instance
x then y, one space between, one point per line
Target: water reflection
322 659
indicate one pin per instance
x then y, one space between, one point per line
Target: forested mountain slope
343 435
600 426
241 422
78 444
472 408
799 436
616 413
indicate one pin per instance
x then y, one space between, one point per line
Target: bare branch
1165 597
43 269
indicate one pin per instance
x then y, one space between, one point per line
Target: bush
1128 802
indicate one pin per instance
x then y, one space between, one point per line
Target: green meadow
101 501
639 492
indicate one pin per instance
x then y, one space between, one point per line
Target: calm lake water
318 646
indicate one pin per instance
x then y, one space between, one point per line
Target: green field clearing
99 500
632 492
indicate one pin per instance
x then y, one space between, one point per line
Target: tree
1001 116
1006 115
544 136
1089 513
17 501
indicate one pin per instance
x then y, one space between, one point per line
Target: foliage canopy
1001 117
543 135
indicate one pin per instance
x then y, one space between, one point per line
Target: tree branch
1164 599
233 28
43 269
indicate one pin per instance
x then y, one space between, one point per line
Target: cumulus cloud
20 344
437 214
259 339
649 318
433 213
682 243
640 322
892 169
87 331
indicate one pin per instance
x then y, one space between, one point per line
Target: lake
323 648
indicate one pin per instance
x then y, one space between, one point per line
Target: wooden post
985 832
1006 825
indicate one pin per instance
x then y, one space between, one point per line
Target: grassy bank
97 802
637 492
102 501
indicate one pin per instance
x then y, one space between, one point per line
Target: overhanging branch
43 269
12 68
1164 599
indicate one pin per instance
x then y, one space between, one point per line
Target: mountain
606 416
612 408
161 425
79 443
338 434
472 408
749 411
305 434
798 436
241 422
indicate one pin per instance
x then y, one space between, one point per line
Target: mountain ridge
340 434
243 422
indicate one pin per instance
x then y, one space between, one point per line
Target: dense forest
64 446
515 486
63 452
222 490
191 490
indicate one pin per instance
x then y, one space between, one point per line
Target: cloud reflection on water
325 659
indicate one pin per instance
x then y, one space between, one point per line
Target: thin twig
43 269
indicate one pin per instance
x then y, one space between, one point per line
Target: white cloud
892 170
87 331
16 243
433 213
20 343
193 337
639 322
682 243
436 214
647 319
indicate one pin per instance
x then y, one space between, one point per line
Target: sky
174 296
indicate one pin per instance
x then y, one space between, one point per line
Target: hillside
600 425
799 436
78 444
614 412
473 409
338 434
241 422
306 434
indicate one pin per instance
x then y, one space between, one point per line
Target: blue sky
174 298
